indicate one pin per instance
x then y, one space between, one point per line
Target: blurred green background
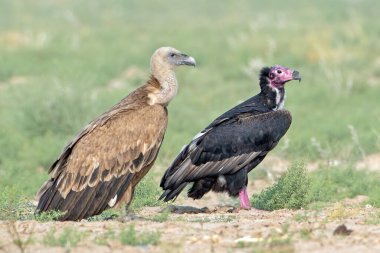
64 62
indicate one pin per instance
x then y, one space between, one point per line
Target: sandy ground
222 229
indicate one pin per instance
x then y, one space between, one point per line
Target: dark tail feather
200 188
172 194
79 205
47 194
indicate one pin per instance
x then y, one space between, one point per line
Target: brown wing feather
106 159
118 147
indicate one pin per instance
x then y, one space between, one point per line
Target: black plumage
220 157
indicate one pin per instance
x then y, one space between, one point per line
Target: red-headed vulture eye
279 71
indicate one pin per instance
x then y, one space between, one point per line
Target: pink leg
244 200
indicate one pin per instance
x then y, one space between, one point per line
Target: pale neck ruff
168 90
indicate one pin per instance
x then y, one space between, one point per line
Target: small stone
279 230
206 238
342 230
248 239
215 238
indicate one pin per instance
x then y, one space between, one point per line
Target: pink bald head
279 75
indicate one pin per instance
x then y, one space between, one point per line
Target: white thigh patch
112 202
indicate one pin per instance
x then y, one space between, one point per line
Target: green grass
300 189
14 206
56 75
215 219
373 218
105 238
336 183
306 233
162 216
128 236
131 237
68 238
109 214
289 192
48 216
147 193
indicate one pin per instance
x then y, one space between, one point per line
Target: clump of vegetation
306 233
299 217
373 218
68 238
162 216
14 207
289 192
297 188
340 212
130 237
105 238
109 214
48 216
147 193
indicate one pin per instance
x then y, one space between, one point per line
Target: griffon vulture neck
168 85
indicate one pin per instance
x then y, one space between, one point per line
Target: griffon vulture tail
102 165
220 157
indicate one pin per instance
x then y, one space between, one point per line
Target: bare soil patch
220 229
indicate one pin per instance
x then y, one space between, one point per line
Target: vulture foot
244 200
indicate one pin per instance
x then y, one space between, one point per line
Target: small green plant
216 219
340 212
48 216
305 233
22 244
17 240
109 214
130 237
373 218
161 217
146 193
68 238
224 218
300 217
289 192
105 238
200 220
317 206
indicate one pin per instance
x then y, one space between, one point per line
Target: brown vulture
102 165
220 157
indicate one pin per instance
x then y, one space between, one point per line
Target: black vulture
220 157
